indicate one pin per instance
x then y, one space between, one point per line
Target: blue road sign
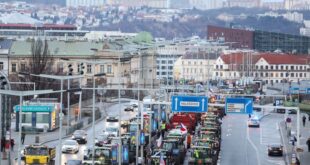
294 90
239 105
189 104
308 90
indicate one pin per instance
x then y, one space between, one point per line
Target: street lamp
21 94
93 109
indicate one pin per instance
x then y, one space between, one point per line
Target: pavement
304 156
45 137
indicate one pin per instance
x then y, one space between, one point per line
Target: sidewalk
303 156
47 136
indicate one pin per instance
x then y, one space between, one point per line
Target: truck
103 155
39 154
186 119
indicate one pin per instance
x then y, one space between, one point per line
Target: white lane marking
253 145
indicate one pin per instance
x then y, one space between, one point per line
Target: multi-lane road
249 145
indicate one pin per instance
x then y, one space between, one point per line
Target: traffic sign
189 104
239 105
308 90
294 90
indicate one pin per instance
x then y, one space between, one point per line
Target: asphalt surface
248 146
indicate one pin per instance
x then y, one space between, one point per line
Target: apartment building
87 3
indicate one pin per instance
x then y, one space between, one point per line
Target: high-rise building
138 3
86 3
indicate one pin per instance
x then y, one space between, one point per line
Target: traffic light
81 68
70 70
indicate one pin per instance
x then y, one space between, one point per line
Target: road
248 146
99 127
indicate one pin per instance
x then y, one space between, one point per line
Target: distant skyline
273 0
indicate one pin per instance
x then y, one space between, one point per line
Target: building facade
206 4
139 3
260 40
236 38
269 67
86 3
243 3
195 66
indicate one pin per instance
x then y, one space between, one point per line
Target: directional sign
189 104
308 90
239 105
294 90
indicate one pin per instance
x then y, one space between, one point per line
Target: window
271 74
170 67
200 62
300 74
60 67
163 67
217 67
277 67
305 74
88 68
109 69
101 68
266 67
271 67
292 67
266 74
262 74
42 118
300 67
281 74
292 74
277 81
189 63
170 62
216 73
23 67
163 62
286 67
261 67
221 66
27 117
282 67
1 65
13 67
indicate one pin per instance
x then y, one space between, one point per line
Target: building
206 4
294 17
77 52
49 31
243 3
244 67
195 66
5 46
139 3
273 5
166 56
86 3
236 38
260 40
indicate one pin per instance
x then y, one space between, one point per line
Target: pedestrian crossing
269 134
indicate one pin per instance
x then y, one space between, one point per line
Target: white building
197 67
5 46
87 3
206 4
294 17
271 68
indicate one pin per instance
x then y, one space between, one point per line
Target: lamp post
93 109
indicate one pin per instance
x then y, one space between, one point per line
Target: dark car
80 136
129 108
275 150
292 111
74 162
102 139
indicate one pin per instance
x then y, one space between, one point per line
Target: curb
263 116
285 148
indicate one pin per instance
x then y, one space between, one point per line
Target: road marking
253 145
268 135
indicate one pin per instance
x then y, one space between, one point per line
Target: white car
253 122
70 146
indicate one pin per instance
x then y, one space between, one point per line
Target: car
102 139
275 150
112 119
292 111
253 122
129 108
74 162
70 146
80 136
